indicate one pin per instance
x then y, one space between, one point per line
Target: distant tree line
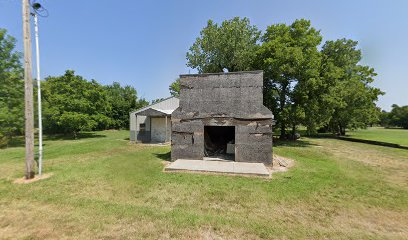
70 103
322 87
397 117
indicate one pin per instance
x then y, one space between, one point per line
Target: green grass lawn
104 188
397 136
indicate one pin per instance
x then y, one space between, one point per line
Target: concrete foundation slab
228 167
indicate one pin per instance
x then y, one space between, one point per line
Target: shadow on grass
164 156
15 142
83 135
371 142
19 141
349 138
292 143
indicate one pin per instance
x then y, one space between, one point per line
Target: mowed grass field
105 188
389 135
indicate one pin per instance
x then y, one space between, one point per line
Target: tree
290 60
352 97
174 88
141 103
72 104
398 117
11 89
122 100
231 45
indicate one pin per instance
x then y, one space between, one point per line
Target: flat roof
221 73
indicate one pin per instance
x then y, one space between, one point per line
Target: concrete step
225 167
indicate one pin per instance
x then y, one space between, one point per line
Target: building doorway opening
219 142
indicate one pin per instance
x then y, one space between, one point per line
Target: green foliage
290 60
140 103
398 117
11 89
302 85
72 104
174 88
73 122
231 45
352 97
122 100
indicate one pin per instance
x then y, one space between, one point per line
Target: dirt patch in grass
23 180
281 164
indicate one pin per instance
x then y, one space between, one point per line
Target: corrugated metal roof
161 106
152 112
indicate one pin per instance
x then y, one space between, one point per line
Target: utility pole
28 93
40 132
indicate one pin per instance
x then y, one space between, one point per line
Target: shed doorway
219 142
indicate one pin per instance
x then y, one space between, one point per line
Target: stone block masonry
222 99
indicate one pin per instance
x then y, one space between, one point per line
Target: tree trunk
342 130
282 101
282 131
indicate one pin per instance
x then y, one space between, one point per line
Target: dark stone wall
225 99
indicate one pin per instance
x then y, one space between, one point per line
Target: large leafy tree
11 89
231 45
73 104
352 97
122 100
290 60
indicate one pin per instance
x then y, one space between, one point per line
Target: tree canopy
72 104
122 100
319 88
174 88
290 60
231 46
398 117
11 89
352 98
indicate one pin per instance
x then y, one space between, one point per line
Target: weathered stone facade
222 99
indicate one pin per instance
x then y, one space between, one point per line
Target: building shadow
292 143
164 156
19 141
82 135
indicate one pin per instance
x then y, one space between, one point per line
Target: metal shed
153 123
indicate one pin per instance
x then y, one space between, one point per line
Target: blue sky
143 43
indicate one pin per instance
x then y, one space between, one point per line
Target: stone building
222 115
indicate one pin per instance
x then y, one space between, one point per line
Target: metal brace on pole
40 137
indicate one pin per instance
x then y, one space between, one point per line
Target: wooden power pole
28 93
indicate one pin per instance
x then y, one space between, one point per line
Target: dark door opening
219 142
